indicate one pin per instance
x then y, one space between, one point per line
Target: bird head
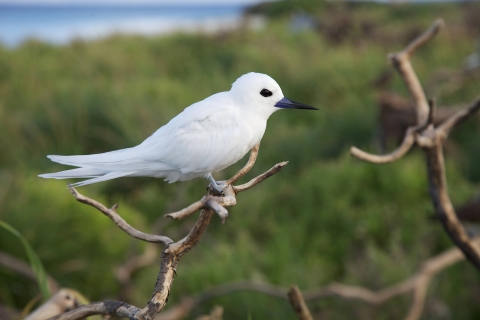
262 94
67 299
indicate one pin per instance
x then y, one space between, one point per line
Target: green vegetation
326 217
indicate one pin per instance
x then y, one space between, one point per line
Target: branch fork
430 139
173 251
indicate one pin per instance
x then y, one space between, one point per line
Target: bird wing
206 137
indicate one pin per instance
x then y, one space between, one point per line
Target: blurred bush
325 217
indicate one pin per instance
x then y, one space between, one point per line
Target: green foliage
325 217
35 262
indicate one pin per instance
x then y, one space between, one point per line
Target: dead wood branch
430 139
416 284
173 251
107 307
397 114
298 304
122 224
401 61
458 118
247 167
217 203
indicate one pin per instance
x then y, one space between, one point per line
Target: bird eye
67 297
266 93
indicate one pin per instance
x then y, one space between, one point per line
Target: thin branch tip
72 190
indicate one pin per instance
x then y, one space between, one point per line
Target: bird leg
218 186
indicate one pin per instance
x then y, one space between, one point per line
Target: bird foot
217 186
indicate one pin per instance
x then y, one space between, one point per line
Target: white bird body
62 301
206 137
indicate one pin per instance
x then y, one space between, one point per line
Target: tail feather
105 177
92 159
108 166
75 173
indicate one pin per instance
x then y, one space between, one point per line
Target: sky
126 2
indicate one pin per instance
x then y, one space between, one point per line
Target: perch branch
298 304
250 184
173 251
217 203
247 167
122 224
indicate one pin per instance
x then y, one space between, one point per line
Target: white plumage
206 137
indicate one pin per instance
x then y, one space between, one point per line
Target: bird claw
217 186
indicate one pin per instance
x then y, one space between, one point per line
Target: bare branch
218 203
173 251
406 145
188 211
443 205
298 304
260 178
448 125
122 224
107 307
424 135
425 37
401 61
247 167
417 284
221 211
432 111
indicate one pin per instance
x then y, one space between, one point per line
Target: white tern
206 137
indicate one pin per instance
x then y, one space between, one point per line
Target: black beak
287 103
76 304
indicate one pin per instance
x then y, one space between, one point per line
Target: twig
407 143
218 203
188 211
401 61
421 40
298 304
107 307
250 184
247 167
458 118
122 224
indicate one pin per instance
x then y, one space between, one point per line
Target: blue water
60 24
